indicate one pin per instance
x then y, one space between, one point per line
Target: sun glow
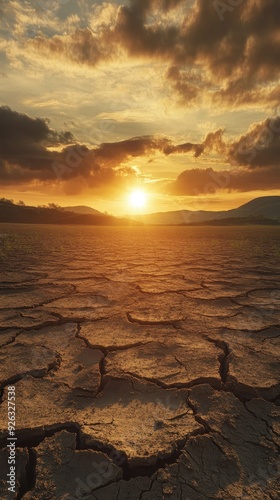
137 199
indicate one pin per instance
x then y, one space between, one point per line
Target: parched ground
145 362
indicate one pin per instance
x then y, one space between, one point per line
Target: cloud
142 39
212 143
187 84
108 35
20 130
254 160
24 144
82 47
229 59
208 181
31 152
260 147
239 52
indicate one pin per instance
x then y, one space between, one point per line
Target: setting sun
138 198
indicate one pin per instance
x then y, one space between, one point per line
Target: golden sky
178 98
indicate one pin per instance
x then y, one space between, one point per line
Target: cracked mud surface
145 362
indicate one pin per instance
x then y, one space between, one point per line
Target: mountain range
82 209
264 210
267 207
10 212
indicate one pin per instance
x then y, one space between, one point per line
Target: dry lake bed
142 363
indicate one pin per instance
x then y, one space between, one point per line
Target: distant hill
238 221
9 212
265 210
82 209
267 207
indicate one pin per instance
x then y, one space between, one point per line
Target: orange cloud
30 151
235 57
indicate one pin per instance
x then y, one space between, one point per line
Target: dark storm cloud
212 143
129 32
20 129
117 152
138 38
25 155
104 165
30 151
23 146
240 52
209 181
237 53
254 161
260 147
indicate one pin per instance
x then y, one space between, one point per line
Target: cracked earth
145 362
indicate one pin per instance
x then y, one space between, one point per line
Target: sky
176 98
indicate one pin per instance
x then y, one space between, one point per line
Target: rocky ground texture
145 367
